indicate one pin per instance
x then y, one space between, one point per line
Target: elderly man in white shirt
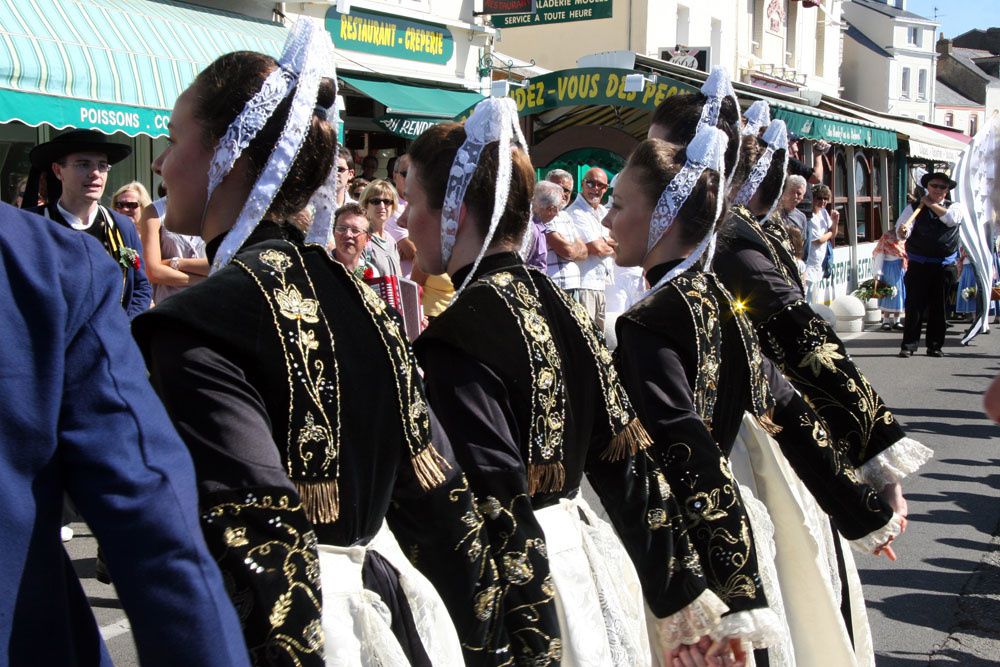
565 249
587 214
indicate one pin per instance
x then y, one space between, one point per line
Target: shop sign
695 57
391 36
408 127
845 277
595 86
557 11
60 112
500 7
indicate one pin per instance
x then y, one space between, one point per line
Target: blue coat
77 415
138 292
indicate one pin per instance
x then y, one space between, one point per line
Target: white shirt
819 224
595 272
564 273
398 233
953 216
75 222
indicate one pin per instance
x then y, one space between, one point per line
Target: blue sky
958 16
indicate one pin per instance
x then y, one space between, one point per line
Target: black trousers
926 287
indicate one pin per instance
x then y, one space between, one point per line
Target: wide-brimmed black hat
938 176
77 141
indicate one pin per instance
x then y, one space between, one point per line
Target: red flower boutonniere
128 258
368 273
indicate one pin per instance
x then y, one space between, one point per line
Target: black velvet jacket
480 380
234 379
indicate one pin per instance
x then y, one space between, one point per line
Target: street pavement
939 604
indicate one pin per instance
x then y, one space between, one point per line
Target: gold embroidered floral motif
235 537
517 569
485 603
823 355
280 609
294 306
276 259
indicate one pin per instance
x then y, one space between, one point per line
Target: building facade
970 66
889 61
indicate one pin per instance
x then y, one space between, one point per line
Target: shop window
868 203
839 186
16 139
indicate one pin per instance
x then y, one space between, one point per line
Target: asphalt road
939 604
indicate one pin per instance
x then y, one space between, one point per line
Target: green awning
834 128
113 65
410 109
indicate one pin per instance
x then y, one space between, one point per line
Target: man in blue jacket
75 167
77 416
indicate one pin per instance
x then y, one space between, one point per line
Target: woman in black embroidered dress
691 363
523 384
297 395
757 266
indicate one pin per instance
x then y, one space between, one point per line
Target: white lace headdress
716 88
306 59
758 116
493 119
706 151
776 138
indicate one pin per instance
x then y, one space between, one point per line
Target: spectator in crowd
369 165
78 417
546 205
813 174
798 251
821 231
587 214
564 248
931 234
889 258
19 192
345 172
791 197
130 199
74 167
564 180
174 261
379 202
356 187
404 245
351 231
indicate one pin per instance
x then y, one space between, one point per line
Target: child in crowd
890 267
798 245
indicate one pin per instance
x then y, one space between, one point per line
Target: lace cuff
873 540
692 622
758 627
903 458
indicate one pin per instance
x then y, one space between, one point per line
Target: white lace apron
596 587
805 561
356 622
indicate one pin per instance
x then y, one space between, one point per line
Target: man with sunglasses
75 166
345 172
587 214
931 234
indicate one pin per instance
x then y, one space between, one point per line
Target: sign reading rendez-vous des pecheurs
557 11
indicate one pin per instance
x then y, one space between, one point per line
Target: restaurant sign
557 11
392 36
498 7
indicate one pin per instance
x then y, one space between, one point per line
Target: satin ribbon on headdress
706 151
758 116
716 88
305 60
776 138
493 119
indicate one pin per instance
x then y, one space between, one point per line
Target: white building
889 61
778 44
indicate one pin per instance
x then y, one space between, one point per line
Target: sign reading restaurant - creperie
557 11
392 36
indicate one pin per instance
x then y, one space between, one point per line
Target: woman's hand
893 495
726 652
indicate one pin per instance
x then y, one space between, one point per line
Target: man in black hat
931 234
75 166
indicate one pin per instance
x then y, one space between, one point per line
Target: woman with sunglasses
130 199
295 390
380 201
173 261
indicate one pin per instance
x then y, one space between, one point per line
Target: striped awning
113 65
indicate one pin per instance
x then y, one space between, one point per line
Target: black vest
932 238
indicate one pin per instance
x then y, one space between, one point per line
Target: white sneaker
66 533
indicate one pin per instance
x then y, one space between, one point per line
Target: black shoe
898 326
905 354
886 326
101 571
935 353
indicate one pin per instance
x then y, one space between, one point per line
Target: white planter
850 313
873 314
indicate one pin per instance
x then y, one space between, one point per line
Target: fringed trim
903 458
766 422
691 623
630 441
320 500
879 538
430 467
546 477
758 627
